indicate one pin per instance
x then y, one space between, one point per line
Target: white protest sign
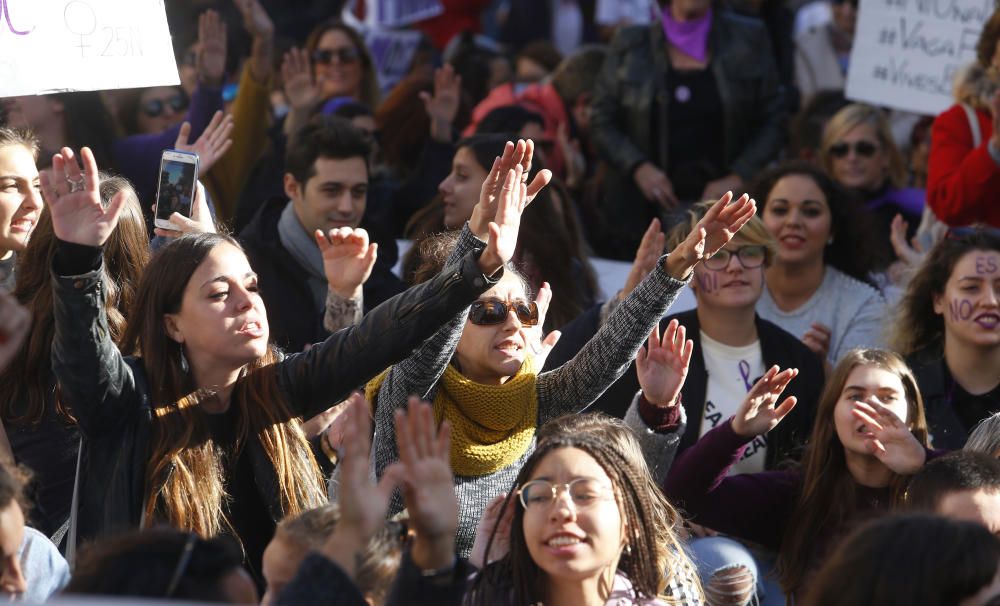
397 13
64 45
906 52
392 51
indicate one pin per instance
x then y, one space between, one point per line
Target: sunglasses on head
494 311
345 55
154 108
865 149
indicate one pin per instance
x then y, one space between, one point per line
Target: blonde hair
853 116
753 232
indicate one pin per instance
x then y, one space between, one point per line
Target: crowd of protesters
370 360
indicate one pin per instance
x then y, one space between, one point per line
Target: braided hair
517 579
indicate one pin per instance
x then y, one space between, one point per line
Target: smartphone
175 192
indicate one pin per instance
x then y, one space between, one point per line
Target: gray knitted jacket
570 388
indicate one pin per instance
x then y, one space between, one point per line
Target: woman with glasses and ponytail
481 371
819 287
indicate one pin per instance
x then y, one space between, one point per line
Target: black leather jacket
109 396
631 100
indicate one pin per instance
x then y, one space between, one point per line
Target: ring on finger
77 184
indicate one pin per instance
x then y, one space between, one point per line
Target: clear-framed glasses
584 492
750 257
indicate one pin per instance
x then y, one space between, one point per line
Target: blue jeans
715 555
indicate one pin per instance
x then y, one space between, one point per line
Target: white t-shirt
732 371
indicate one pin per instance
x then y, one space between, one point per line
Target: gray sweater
569 388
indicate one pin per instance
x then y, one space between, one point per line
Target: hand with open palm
715 230
514 154
662 366
891 441
760 412
348 259
74 199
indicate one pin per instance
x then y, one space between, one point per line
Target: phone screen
176 191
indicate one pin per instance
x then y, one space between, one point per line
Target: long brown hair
917 325
370 93
27 384
827 494
185 484
517 579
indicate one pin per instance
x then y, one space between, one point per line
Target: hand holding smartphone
176 188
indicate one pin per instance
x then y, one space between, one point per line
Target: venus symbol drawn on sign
76 16
5 9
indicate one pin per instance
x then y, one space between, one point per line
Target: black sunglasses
492 312
154 108
346 55
865 149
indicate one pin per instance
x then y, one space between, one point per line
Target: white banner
397 13
906 52
49 46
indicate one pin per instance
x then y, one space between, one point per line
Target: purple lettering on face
708 281
986 265
960 310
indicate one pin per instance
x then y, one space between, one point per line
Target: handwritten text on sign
59 45
906 52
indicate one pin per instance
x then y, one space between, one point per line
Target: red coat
963 182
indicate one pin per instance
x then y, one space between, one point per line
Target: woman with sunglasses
948 327
482 370
818 287
209 408
858 151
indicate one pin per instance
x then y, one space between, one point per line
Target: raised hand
424 469
714 231
662 366
493 531
502 239
363 503
521 154
650 251
255 18
911 253
442 106
15 322
296 73
348 259
889 439
74 200
542 344
211 61
213 143
758 414
200 222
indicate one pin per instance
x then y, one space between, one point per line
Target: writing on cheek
960 309
986 265
708 282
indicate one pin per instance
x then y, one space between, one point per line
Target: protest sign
398 13
906 52
392 51
64 45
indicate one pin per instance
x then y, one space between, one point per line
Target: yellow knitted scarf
491 425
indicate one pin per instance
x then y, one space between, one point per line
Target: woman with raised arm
201 429
482 376
868 437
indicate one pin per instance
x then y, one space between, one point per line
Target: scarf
492 426
304 250
690 37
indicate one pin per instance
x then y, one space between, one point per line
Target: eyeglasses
494 311
540 494
345 55
182 565
865 149
155 107
749 256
